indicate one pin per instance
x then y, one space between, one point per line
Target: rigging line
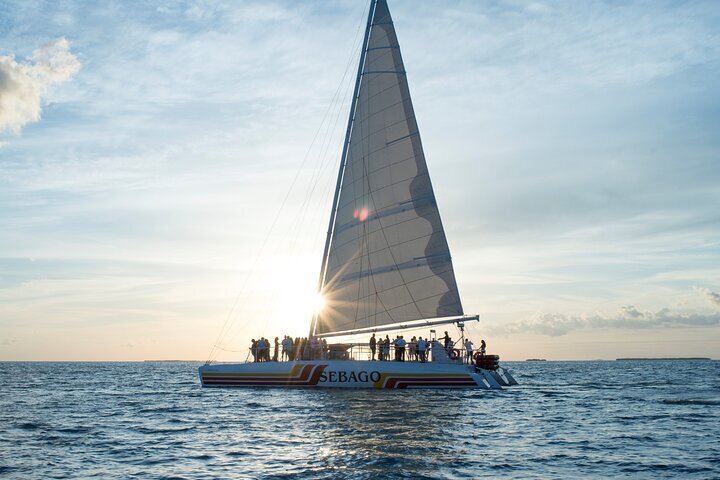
294 235
315 180
233 351
329 132
224 329
324 145
327 190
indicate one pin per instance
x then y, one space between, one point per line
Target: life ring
454 354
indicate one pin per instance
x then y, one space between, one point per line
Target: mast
343 160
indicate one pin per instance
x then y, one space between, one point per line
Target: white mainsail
388 260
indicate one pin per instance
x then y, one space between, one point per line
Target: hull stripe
309 376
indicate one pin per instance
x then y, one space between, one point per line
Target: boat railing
363 352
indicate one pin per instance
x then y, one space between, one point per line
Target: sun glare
318 303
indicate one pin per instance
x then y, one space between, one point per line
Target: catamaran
386 265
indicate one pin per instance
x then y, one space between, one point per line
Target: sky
166 171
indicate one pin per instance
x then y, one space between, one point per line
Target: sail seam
396 267
369 115
377 171
383 147
420 300
388 212
383 91
384 167
385 128
409 135
373 72
394 244
420 279
382 48
379 57
424 174
414 219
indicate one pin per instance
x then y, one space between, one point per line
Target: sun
318 303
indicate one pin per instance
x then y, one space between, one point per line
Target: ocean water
567 420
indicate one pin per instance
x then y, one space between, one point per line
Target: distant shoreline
661 359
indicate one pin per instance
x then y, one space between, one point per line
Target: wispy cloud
23 84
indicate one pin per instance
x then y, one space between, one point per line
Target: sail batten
387 259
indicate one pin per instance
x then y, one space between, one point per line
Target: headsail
388 260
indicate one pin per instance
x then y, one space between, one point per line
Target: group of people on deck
313 348
417 348
292 349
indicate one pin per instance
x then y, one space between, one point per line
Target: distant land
536 360
172 361
663 358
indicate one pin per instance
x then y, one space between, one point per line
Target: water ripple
566 420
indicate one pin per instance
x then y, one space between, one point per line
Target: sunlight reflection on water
567 419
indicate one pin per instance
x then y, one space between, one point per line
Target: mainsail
388 261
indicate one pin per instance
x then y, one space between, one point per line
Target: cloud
713 298
22 85
628 317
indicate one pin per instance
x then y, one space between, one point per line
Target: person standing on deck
287 348
277 349
469 350
373 344
446 340
482 347
421 348
400 347
386 348
253 350
303 348
265 349
412 349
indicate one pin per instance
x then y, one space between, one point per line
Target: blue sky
573 149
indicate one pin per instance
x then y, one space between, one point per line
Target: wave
690 401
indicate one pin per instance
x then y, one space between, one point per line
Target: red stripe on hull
390 383
305 379
436 384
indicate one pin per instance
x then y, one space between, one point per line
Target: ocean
634 419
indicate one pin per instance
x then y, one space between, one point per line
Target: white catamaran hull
352 374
